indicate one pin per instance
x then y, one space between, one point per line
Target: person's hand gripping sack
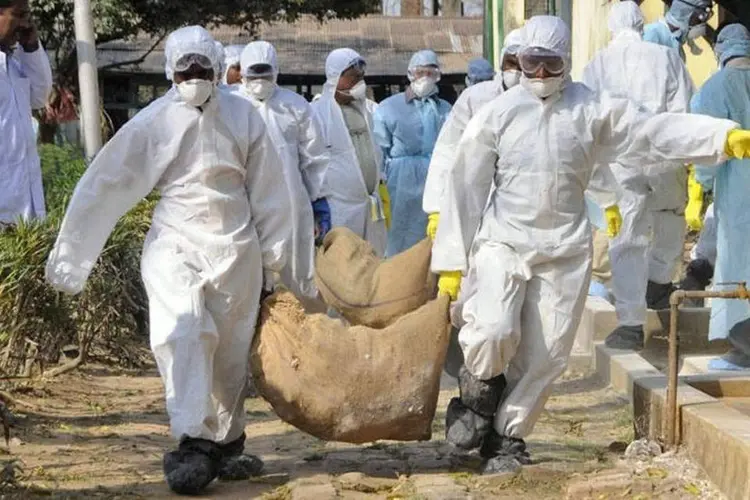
449 284
614 220
694 209
386 199
432 225
738 144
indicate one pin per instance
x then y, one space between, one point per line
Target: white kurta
25 84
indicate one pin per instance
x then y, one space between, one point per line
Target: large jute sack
367 290
351 383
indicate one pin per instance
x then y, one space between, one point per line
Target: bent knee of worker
487 351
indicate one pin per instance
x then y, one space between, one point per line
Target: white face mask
260 89
511 78
542 87
358 92
424 87
196 92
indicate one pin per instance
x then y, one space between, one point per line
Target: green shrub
107 320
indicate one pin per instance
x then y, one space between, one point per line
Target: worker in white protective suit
529 248
231 72
25 84
299 140
224 216
357 194
645 255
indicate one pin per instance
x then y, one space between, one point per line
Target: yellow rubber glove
449 284
386 199
432 225
614 220
738 144
694 209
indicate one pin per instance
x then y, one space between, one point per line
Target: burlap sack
366 290
352 384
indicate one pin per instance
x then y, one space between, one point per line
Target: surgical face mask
195 92
696 32
260 89
511 78
358 92
424 87
542 87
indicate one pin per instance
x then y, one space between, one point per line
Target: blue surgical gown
406 130
658 32
727 95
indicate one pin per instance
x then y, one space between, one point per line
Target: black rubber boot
504 454
657 295
626 337
469 418
192 467
235 465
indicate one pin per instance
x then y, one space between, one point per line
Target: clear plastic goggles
426 72
185 62
532 59
259 70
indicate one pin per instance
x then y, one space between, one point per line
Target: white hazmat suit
25 84
298 138
352 204
651 199
224 215
531 245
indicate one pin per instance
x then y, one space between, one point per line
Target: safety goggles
259 70
532 59
426 72
358 64
702 12
185 62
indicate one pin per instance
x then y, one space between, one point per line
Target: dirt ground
99 433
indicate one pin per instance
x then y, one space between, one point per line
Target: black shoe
464 428
481 396
629 338
192 467
504 454
495 445
657 295
235 465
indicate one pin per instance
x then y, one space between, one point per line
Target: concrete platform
714 410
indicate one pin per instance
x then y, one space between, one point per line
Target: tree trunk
411 7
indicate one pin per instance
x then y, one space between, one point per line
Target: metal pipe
677 297
88 82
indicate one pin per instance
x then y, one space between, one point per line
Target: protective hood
680 13
551 33
625 17
479 70
512 43
258 53
232 55
423 58
733 41
337 62
189 40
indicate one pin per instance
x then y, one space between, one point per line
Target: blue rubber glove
322 213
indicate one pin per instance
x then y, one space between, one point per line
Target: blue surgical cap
423 58
682 10
733 41
480 70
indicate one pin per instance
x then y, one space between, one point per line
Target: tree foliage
118 19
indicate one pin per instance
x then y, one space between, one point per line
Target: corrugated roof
387 43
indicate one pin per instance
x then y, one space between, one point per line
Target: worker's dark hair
4 4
